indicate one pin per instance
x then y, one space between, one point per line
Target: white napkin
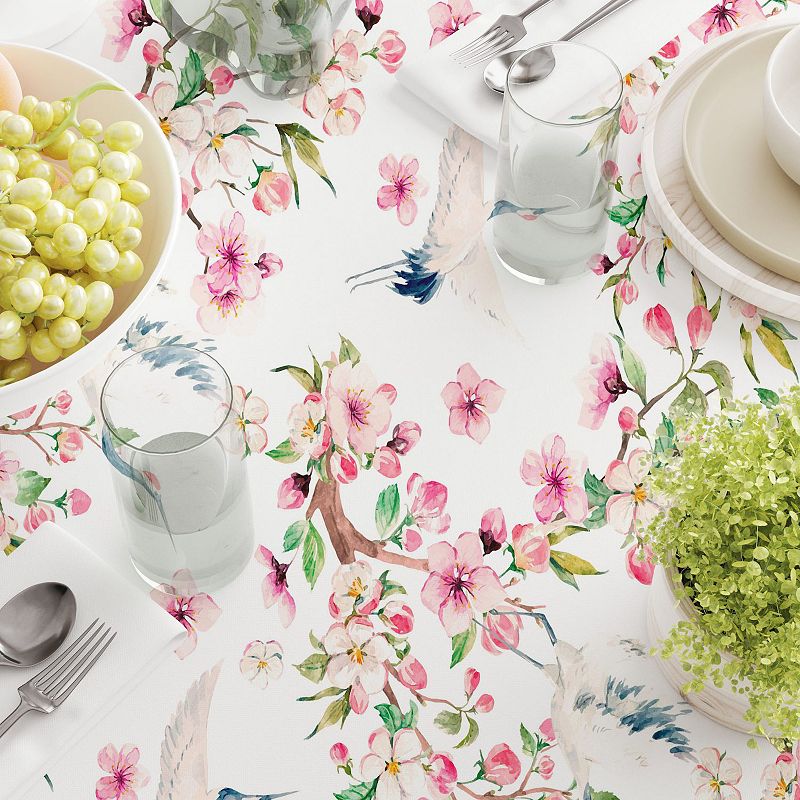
628 36
144 633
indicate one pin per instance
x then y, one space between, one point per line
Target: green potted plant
725 610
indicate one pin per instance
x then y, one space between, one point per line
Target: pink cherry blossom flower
389 50
699 323
326 86
562 476
658 325
472 679
8 527
358 660
715 776
9 466
275 586
724 17
386 462
153 53
347 49
403 187
268 264
404 437
531 548
546 767
492 530
396 765
547 730
125 775
343 467
459 585
182 126
600 385
627 291
411 540
187 195
293 491
399 617
24 414
470 400
36 515
223 154
339 754
628 119
222 79
501 765
344 113
632 507
412 674
671 49
775 782
62 402
70 443
309 433
355 590
196 611
243 431
442 776
484 704
369 12
639 563
262 662
501 631
428 500
232 304
78 502
628 420
750 315
358 408
123 19
447 18
273 192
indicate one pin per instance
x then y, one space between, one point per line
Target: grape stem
71 118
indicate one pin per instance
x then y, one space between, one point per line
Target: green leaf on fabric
191 81
284 453
554 537
121 436
313 554
661 268
387 509
313 667
602 795
301 35
597 519
722 378
217 40
778 328
448 721
286 152
390 587
691 401
664 442
769 398
597 492
294 535
317 373
612 280
746 340
243 130
776 347
392 717
574 564
616 305
528 741
300 375
358 791
628 212
335 712
634 368
563 574
253 15
30 485
309 154
411 717
462 643
331 691
715 308
348 351
698 292
315 643
472 733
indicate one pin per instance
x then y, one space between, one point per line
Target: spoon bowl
535 68
35 623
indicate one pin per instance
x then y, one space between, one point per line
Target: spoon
35 623
541 61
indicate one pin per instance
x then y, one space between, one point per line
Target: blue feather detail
232 794
416 280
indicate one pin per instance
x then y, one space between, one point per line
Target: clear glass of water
170 431
558 134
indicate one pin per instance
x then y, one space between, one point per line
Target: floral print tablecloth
447 465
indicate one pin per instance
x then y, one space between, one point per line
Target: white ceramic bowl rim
771 65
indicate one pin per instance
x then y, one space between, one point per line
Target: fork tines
494 40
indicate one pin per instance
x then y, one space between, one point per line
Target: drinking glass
558 135
170 431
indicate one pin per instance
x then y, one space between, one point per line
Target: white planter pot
664 611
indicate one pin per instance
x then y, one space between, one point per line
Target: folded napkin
628 36
144 635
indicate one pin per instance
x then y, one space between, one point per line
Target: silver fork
507 30
47 690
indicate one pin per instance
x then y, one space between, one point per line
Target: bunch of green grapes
69 227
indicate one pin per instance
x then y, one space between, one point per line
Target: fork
47 690
506 31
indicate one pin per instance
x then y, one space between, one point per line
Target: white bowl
50 76
782 104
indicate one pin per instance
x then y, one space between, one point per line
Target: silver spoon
35 623
542 61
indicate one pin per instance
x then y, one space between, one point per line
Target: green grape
88 327
123 136
42 347
127 239
91 128
4 115
51 307
26 157
82 279
59 111
118 217
8 160
101 255
106 190
83 153
39 169
72 263
136 162
31 192
59 149
7 180
75 302
84 178
135 218
26 294
52 214
15 346
70 196
45 248
117 166
18 216
69 239
5 291
7 265
26 105
130 267
56 284
35 269
27 321
68 351
16 131
135 192
17 370
42 116
9 324
14 241
91 214
99 301
64 332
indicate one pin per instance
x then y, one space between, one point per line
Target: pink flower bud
671 49
484 704
386 462
627 291
187 195
531 549
411 540
628 119
390 50
293 491
658 324
628 420
441 776
699 324
62 402
501 765
20 415
359 699
493 530
600 264
639 563
273 192
412 674
404 436
153 53
471 680
343 467
626 245
501 631
70 444
546 767
340 754
36 515
400 617
546 729
610 171
78 502
222 78
388 392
